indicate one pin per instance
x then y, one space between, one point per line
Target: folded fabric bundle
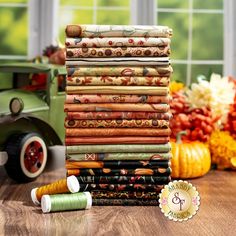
118 156
120 98
138 195
116 42
107 70
109 132
107 171
120 81
161 51
126 202
122 61
117 123
117 111
117 164
92 31
119 148
116 140
117 115
108 107
116 179
117 90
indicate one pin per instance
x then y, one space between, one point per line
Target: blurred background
200 44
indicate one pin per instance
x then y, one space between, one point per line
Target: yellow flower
176 86
223 150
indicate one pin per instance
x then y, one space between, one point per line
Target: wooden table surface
216 216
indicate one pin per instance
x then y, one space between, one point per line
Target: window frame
229 38
189 61
43 29
43 25
13 57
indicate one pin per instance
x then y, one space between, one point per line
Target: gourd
190 159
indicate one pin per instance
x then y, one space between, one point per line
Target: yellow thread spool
69 184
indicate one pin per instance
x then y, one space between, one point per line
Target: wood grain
18 216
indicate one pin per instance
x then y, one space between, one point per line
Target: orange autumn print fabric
118 115
123 81
158 71
120 98
118 52
115 140
117 107
116 42
116 123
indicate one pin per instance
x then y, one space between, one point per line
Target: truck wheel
27 157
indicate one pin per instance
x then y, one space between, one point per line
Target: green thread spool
66 202
70 184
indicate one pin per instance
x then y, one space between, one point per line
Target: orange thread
59 186
73 172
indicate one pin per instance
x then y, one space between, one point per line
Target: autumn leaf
138 186
125 81
158 82
144 163
86 80
149 80
121 187
106 78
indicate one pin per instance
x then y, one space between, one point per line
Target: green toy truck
31 117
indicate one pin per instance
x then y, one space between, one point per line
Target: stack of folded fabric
117 105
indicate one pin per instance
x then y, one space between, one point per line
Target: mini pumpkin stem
179 136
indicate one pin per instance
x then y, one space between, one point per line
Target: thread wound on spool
60 186
89 200
65 202
73 184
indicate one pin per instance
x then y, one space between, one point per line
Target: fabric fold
120 81
118 156
123 179
107 171
109 107
110 132
116 123
126 202
116 61
116 140
100 194
146 90
117 115
119 148
120 98
95 31
120 187
116 164
161 51
108 70
116 42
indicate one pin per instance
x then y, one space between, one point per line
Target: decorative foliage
217 94
231 121
176 86
197 122
223 150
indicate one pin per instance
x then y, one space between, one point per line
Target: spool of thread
69 184
66 202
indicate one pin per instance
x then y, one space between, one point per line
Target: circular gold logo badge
179 200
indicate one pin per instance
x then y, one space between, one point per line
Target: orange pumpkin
189 159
